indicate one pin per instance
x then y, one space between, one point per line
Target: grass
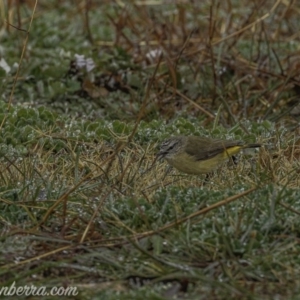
83 201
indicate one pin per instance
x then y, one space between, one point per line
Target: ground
89 89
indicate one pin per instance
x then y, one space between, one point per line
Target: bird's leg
234 159
207 178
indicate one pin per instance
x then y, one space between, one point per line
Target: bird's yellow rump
199 155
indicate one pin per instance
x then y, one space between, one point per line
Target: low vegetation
89 90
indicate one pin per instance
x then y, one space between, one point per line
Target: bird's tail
251 146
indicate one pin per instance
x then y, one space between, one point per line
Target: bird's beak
160 155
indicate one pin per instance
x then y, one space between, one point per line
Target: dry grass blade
180 221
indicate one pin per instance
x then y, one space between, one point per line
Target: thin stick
122 240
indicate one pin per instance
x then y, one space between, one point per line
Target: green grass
83 201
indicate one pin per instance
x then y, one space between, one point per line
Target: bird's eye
165 143
172 146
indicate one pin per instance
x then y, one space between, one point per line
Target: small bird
199 155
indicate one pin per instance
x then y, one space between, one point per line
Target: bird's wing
205 148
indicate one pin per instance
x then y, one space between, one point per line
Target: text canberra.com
32 290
